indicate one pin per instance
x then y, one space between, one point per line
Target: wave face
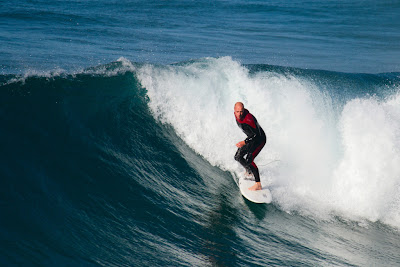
336 136
132 164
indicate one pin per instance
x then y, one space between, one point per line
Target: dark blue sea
117 132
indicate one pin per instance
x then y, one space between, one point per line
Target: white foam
104 70
33 73
343 163
367 179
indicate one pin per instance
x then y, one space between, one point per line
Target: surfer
252 145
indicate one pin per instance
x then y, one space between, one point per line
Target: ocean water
117 133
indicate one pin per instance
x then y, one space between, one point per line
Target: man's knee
249 158
237 157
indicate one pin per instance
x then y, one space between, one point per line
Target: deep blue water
356 36
117 133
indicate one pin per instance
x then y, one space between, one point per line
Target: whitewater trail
335 157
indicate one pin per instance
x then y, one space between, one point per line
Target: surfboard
259 196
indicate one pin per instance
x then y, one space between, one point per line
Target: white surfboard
258 196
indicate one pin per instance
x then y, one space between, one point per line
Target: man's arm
251 132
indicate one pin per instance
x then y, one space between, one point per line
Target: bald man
252 145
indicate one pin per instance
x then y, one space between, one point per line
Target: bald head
239 110
239 104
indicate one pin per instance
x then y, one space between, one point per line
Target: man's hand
240 144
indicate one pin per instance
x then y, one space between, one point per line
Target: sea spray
368 178
197 100
310 132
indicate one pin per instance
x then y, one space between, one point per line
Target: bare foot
256 186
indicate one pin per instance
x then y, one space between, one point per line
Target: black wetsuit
255 141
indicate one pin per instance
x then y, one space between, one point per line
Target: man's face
239 111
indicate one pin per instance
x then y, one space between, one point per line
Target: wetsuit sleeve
252 133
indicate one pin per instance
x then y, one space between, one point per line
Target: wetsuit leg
253 166
251 152
239 156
